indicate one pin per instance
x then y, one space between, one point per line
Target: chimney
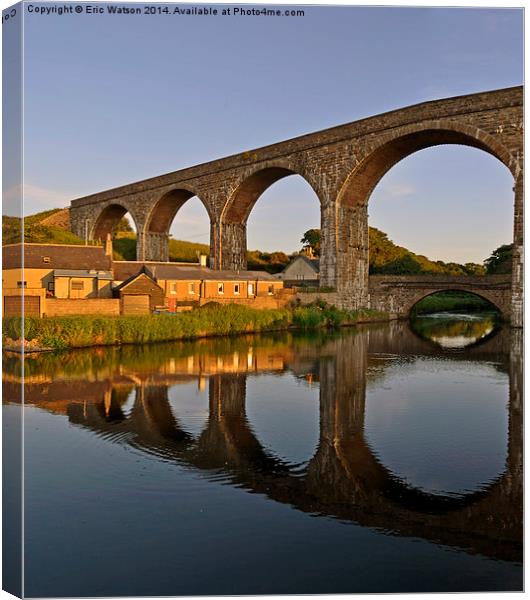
202 260
108 245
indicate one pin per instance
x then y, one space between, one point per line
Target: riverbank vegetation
210 320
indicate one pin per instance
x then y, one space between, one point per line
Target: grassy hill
124 245
40 228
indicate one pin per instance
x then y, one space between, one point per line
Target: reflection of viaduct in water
343 479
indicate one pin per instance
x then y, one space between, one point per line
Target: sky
113 99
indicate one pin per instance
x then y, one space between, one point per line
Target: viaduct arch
342 164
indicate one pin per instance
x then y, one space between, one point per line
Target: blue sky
114 99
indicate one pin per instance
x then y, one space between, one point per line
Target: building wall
65 287
180 289
35 278
211 290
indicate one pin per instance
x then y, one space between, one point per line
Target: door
13 306
136 304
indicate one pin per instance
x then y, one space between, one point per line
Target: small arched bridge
399 293
342 165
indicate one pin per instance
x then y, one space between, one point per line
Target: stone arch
379 158
230 241
167 206
350 275
248 190
108 218
490 297
155 236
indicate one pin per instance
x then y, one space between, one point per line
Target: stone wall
59 307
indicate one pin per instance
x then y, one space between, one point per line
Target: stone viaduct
342 164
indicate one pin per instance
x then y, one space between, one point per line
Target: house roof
60 256
83 273
123 270
143 272
314 263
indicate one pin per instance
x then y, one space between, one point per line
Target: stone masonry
342 164
397 294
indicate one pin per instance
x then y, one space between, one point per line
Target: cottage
301 269
53 271
140 294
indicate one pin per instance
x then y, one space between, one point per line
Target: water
376 459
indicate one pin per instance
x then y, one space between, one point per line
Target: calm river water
383 458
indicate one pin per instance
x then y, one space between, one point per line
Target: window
46 259
236 288
51 286
22 284
271 290
173 288
221 288
191 288
78 285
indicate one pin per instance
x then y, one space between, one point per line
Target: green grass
214 320
447 301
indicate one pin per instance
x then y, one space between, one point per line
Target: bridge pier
229 246
345 253
152 246
517 308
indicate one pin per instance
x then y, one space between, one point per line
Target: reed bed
219 320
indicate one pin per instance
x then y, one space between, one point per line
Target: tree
500 260
311 240
123 225
404 265
474 269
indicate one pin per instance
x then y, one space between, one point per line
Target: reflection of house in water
343 479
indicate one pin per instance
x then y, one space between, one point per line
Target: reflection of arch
107 220
484 295
164 211
481 341
246 194
377 161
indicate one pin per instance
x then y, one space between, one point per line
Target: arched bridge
342 165
399 293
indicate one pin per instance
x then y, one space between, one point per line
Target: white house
301 268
